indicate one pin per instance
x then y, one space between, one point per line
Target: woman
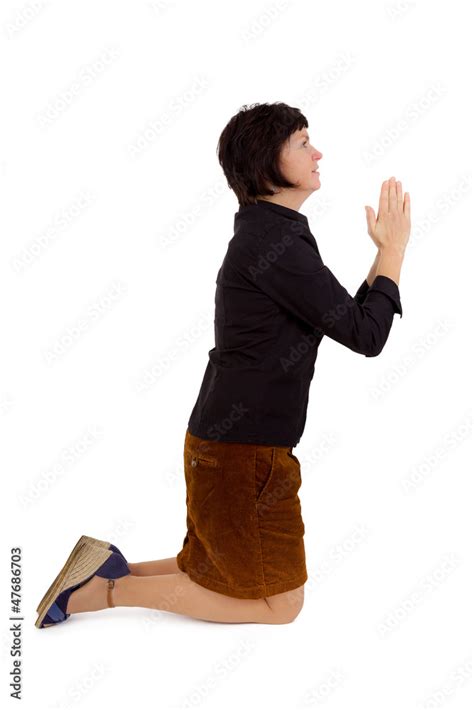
243 556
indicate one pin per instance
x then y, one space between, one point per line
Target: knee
286 617
292 611
287 606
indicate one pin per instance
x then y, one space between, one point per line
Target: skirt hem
257 592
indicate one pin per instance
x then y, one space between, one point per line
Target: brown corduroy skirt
244 526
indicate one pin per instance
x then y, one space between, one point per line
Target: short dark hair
249 148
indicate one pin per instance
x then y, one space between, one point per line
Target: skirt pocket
202 475
279 498
264 466
197 459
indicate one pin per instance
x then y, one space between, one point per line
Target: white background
115 219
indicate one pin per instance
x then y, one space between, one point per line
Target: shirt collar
262 205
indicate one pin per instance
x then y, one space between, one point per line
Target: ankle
119 591
110 592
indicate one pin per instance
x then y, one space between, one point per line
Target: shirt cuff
389 287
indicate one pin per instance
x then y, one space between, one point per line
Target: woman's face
299 160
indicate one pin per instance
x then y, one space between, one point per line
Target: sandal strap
110 586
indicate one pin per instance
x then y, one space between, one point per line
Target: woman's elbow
375 346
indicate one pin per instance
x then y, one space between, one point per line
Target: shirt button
194 462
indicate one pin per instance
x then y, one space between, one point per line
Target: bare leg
145 569
179 594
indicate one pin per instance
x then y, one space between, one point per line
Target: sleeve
293 275
362 292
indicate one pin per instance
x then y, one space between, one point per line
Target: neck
291 199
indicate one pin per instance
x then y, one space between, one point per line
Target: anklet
110 586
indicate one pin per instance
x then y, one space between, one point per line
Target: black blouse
275 300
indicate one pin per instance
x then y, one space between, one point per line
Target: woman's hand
393 223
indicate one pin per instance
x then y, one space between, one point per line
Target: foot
92 596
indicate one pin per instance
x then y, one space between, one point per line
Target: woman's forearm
373 269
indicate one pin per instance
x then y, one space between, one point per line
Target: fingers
399 196
392 198
369 213
407 206
392 195
383 201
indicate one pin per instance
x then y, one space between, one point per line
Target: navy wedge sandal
84 562
83 539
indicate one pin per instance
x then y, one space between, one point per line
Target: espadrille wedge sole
78 545
81 565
